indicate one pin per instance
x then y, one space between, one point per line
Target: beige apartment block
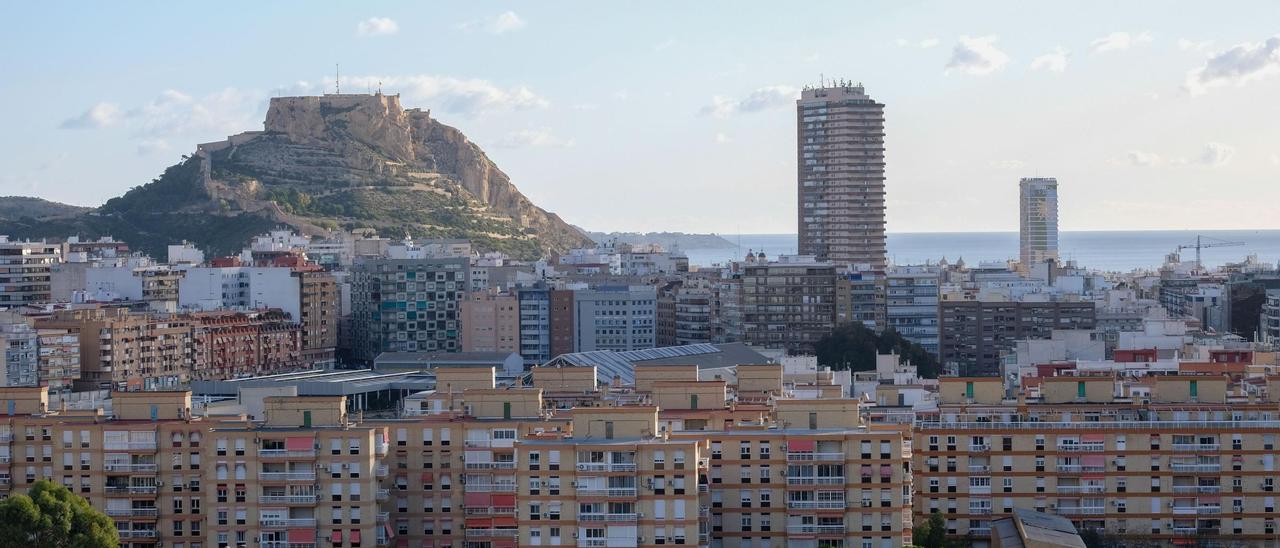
490 322
1166 460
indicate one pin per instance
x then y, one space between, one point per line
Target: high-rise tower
841 175
1038 221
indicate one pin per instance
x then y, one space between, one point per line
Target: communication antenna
337 80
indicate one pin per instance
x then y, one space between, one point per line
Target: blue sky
679 116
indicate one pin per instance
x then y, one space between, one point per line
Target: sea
1111 251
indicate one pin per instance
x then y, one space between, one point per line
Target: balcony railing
592 542
285 453
493 533
1082 488
818 480
128 467
1080 468
491 487
815 529
606 517
980 531
979 467
287 476
491 511
285 544
1195 467
491 465
138 533
1081 510
1191 489
288 499
610 492
133 512
382 471
1195 447
287 522
132 490
816 504
383 495
807 455
980 447
1110 425
129 446
1082 447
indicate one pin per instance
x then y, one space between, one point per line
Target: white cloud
1238 66
502 23
1192 45
1119 41
977 56
176 113
1144 159
922 44
152 146
1054 61
585 106
1217 154
1007 164
542 137
622 95
98 116
721 138
761 99
664 45
1275 159
468 96
377 26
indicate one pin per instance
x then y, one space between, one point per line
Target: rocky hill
23 207
323 163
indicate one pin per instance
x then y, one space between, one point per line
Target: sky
679 116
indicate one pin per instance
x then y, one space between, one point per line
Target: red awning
1093 460
504 501
336 537
1237 458
428 477
402 543
354 536
476 500
504 521
479 523
886 470
866 470
299 444
801 445
302 536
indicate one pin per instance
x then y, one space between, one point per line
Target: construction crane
1203 242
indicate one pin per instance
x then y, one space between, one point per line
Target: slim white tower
1038 223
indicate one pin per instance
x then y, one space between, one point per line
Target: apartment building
1037 221
229 345
124 351
867 304
789 303
1180 459
406 305
974 335
19 350
840 180
490 322
25 271
911 303
612 317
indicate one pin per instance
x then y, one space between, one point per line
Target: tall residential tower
841 175
1038 221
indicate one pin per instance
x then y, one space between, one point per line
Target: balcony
285 544
979 467
818 504
493 533
606 517
491 511
1195 447
1081 510
979 448
1066 489
132 490
138 533
285 453
288 499
815 529
1209 509
491 465
1193 489
383 495
980 531
133 512
611 492
491 487
811 456
381 448
1092 447
1195 467
287 476
287 522
382 471
592 542
1080 468
129 446
818 480
129 467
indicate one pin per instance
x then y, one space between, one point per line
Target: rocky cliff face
335 161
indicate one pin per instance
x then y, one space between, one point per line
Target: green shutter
306 419
968 389
1194 389
506 410
1080 389
693 401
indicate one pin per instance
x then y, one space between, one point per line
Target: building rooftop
610 364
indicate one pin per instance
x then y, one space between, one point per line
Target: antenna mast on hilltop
337 80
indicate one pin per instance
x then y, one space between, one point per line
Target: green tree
51 516
932 533
854 347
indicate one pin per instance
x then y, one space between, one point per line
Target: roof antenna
337 80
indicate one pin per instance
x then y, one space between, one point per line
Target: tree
854 347
51 516
932 533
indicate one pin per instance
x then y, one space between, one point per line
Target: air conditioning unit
640 515
575 534
159 484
